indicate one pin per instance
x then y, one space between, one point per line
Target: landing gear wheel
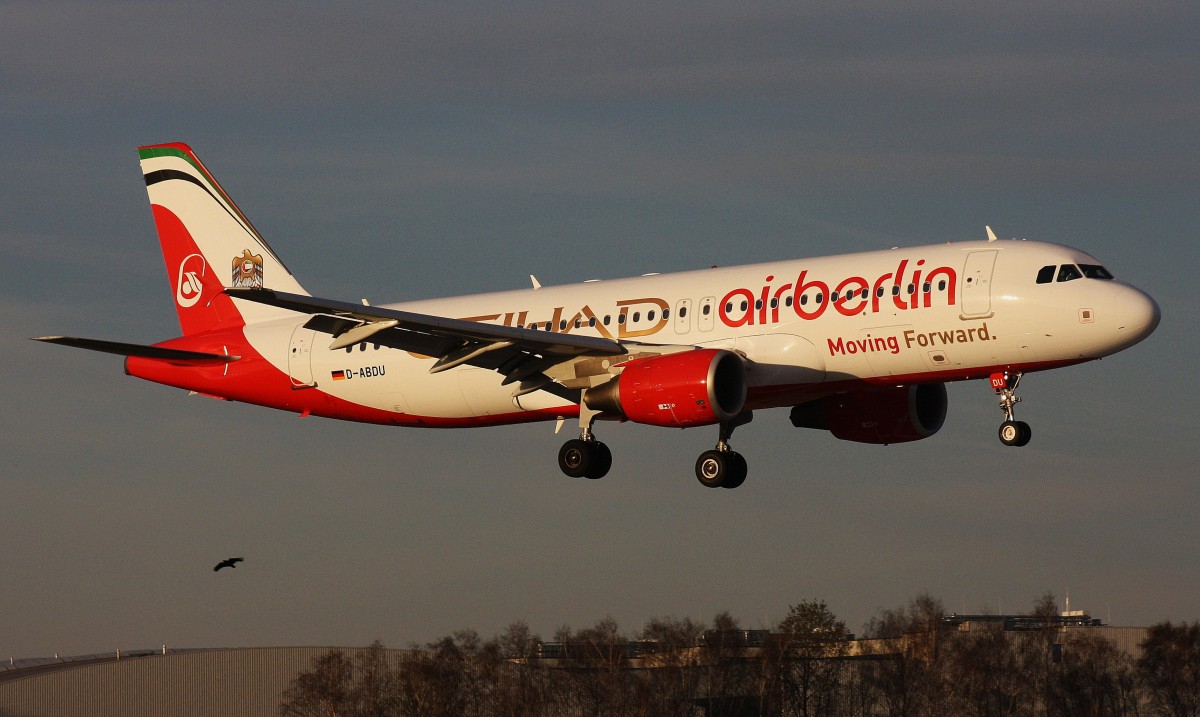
737 475
602 461
579 459
1015 433
721 469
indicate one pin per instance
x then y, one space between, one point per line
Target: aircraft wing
521 355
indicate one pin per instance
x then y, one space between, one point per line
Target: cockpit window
1046 274
1069 272
1095 271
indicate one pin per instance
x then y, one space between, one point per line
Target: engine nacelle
887 415
692 388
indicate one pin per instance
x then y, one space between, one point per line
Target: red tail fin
207 243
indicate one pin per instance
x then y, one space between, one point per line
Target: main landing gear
722 467
585 457
1012 432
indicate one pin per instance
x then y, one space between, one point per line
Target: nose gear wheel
1012 432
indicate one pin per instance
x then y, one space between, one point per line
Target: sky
398 151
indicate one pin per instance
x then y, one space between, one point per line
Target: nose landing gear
1012 432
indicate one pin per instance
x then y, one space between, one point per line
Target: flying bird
227 563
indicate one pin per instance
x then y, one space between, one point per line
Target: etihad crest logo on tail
894 327
247 271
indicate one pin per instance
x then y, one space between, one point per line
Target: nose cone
1136 315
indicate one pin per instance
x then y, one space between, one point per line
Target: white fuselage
912 315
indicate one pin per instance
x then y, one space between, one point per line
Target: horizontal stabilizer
152 352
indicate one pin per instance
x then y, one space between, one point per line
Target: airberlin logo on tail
189 284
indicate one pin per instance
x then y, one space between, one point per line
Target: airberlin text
911 286
810 297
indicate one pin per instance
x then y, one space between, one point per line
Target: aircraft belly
481 392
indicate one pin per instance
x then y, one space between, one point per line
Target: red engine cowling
692 388
888 415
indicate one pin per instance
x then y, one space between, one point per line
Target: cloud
296 53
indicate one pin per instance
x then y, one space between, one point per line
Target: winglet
991 234
536 284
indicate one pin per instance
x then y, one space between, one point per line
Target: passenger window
637 316
1069 272
683 312
787 302
1046 274
879 292
667 313
708 309
925 288
649 316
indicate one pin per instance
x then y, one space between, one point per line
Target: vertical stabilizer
208 244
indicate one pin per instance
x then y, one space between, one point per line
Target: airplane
860 345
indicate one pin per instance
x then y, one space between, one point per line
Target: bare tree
985 670
1169 668
914 683
811 643
670 656
1093 677
323 691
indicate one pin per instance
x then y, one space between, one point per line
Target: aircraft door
683 316
300 358
976 295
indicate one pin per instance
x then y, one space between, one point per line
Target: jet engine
692 388
887 415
